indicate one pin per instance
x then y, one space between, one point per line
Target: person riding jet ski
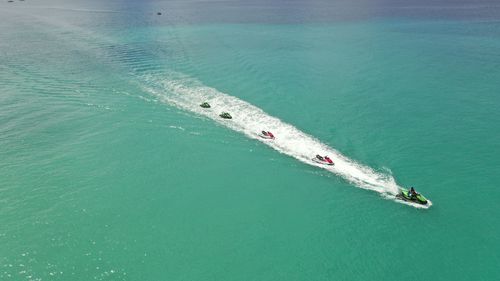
226 115
412 193
325 160
266 135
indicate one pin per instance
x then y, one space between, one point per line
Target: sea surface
110 170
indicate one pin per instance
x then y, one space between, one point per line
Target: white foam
187 93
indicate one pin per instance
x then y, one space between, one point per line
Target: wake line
187 93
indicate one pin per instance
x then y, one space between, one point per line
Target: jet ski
323 160
417 197
266 135
205 105
226 115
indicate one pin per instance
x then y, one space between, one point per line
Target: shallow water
111 171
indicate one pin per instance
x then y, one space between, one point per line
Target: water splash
188 93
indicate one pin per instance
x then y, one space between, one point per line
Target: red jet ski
325 160
266 135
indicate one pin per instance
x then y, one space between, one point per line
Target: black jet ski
226 115
323 160
205 105
266 135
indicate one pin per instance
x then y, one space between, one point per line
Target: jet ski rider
412 193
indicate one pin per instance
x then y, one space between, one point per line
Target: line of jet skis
405 194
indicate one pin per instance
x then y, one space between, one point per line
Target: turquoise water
111 171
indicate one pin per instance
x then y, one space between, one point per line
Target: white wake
187 93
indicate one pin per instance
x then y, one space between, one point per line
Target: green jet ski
226 115
205 105
416 197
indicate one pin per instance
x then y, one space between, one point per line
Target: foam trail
187 93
